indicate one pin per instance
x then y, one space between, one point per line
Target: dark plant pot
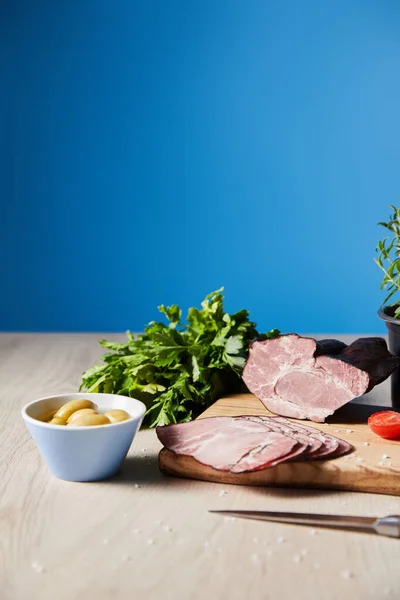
386 313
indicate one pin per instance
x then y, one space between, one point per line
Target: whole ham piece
246 443
303 378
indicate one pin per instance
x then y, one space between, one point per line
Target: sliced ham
248 443
331 445
321 445
264 455
313 443
299 377
228 443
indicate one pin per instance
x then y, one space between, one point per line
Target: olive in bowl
83 413
94 446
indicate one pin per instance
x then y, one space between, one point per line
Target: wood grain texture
144 535
364 470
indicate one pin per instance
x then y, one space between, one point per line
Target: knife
389 526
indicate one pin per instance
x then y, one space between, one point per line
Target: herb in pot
178 368
389 257
389 261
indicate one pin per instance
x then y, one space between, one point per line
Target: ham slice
248 443
299 377
227 443
331 445
313 443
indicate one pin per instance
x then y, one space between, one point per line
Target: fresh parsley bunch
179 368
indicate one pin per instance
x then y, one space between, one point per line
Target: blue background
152 151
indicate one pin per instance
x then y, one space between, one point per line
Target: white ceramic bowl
84 453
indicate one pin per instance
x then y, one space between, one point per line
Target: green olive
89 420
58 421
46 416
70 407
80 412
116 415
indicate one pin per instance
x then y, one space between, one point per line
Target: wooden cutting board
366 470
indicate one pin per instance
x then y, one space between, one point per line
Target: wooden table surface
144 535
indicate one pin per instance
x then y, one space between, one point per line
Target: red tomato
385 423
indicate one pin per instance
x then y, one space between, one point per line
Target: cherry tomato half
386 424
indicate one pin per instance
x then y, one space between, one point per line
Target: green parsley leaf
179 368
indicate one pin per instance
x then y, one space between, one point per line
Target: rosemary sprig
388 258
